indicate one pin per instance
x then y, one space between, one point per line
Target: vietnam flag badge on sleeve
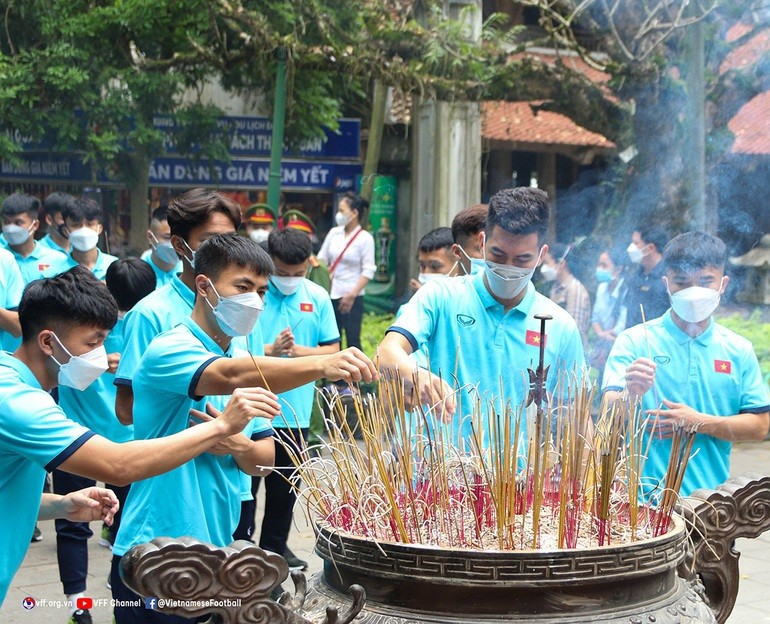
533 338
305 307
723 366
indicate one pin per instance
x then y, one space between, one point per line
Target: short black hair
693 251
57 202
469 222
83 209
219 252
129 280
521 210
654 235
160 214
438 238
74 297
562 252
21 203
619 255
193 208
357 203
289 246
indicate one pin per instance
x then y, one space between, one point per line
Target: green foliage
373 331
753 329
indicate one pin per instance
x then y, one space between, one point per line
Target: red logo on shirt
305 307
723 366
42 267
533 338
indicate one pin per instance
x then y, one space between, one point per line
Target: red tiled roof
750 127
749 52
516 121
571 61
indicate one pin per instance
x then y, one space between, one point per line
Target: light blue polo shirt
94 407
11 289
310 315
161 310
467 335
47 241
36 264
35 437
103 260
716 373
161 277
201 498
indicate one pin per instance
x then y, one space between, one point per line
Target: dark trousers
350 322
279 494
72 537
144 613
245 528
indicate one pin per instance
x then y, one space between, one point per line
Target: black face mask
60 228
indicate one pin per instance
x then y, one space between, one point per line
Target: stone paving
39 577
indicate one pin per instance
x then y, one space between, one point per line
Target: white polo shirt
357 260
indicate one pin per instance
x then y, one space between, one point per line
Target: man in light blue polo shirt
193 217
298 320
83 224
64 322
161 255
20 222
481 330
57 238
11 288
192 366
701 372
128 280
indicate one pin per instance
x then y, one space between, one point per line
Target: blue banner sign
295 175
245 136
241 174
53 167
253 136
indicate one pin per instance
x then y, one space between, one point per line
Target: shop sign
253 136
246 136
253 174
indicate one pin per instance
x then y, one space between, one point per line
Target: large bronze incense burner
669 579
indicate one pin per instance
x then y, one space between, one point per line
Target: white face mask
165 250
287 285
236 315
342 219
635 254
505 280
548 272
695 304
259 236
84 239
16 235
81 370
424 278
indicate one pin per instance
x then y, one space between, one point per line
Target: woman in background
609 315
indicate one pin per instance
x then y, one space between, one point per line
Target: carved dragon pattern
237 580
740 507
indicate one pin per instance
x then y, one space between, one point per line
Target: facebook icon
150 603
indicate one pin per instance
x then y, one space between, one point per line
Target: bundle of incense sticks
410 478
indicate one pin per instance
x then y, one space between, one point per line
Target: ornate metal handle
740 507
233 583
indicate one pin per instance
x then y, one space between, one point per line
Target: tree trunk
135 170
